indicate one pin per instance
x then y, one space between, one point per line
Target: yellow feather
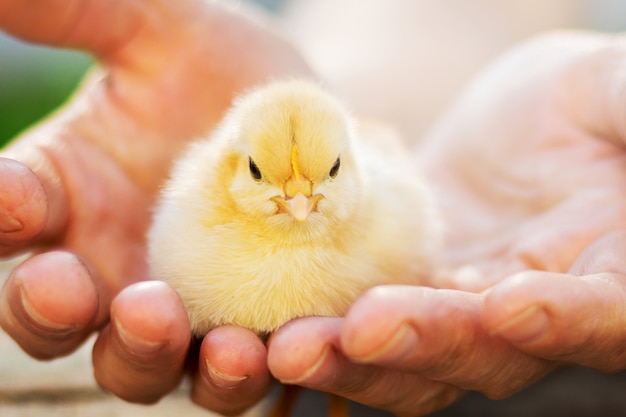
230 246
294 161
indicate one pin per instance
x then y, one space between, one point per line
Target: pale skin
539 172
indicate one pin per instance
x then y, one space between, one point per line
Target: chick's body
284 212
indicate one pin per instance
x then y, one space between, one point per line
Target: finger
232 374
437 334
579 319
306 352
96 25
39 181
50 304
605 254
140 356
140 34
32 203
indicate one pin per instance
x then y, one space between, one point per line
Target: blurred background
401 60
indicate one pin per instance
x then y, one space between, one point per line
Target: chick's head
295 164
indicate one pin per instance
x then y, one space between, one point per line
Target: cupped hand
529 164
530 169
534 194
77 190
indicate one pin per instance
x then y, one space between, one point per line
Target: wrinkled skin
529 167
78 188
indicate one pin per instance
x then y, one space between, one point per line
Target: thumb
76 23
98 26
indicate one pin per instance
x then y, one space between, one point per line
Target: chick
285 211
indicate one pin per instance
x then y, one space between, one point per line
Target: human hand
530 168
542 186
78 189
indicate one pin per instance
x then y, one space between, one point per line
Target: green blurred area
33 82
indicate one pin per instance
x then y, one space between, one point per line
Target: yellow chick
285 211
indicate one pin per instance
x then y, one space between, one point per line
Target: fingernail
136 344
398 346
525 327
223 380
41 321
313 370
9 224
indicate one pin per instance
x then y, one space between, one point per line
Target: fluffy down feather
225 235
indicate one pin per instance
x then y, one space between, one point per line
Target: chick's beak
299 206
298 201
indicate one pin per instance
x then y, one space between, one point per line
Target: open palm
539 190
533 174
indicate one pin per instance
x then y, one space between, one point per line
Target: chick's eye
255 172
335 169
